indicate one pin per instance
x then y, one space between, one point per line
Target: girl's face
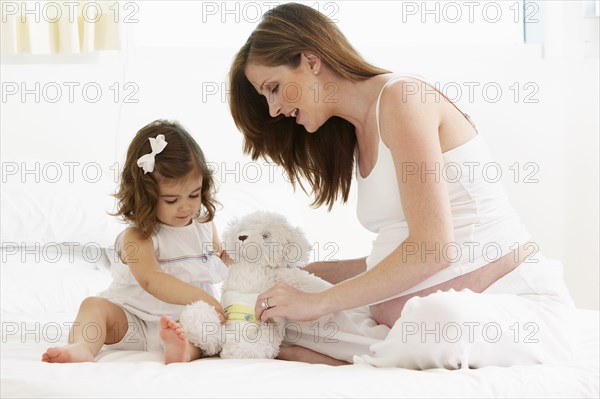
179 200
295 93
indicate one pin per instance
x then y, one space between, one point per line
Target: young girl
168 257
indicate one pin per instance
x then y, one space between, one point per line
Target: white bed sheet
142 374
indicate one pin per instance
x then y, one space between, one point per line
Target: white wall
179 54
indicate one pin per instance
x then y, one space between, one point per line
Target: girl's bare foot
73 353
174 341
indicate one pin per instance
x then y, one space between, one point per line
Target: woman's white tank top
486 227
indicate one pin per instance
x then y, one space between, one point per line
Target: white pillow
38 213
50 281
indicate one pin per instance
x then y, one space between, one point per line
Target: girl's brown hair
138 192
325 159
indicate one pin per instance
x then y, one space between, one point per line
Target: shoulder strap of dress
395 78
379 99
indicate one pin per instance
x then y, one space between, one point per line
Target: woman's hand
291 303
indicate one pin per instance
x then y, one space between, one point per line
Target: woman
303 97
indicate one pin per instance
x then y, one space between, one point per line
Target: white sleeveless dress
184 252
523 318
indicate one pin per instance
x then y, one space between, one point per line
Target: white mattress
39 297
142 374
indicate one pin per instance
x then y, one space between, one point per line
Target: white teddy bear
266 250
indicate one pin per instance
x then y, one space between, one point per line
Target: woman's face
294 93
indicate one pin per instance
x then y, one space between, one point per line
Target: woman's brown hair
138 192
326 158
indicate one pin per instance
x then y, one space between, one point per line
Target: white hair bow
147 161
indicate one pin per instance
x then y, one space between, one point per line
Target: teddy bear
265 250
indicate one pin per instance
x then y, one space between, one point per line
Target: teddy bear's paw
202 325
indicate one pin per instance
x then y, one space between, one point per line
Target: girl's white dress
184 252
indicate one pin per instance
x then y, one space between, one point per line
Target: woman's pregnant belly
477 281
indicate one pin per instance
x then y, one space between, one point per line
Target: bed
41 293
56 239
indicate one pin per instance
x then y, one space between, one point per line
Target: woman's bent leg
301 354
470 330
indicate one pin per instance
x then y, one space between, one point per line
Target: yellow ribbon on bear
237 312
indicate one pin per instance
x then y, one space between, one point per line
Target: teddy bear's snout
242 238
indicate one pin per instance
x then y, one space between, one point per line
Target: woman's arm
138 254
337 271
409 127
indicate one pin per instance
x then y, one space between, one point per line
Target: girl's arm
410 128
138 254
219 248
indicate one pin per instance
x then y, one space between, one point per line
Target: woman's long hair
326 158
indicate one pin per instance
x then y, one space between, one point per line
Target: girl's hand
226 258
291 303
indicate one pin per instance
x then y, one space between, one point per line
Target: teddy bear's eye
266 235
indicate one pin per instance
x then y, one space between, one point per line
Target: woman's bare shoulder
408 104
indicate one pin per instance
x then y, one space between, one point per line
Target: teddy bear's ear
297 248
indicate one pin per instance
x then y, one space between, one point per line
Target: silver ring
265 304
